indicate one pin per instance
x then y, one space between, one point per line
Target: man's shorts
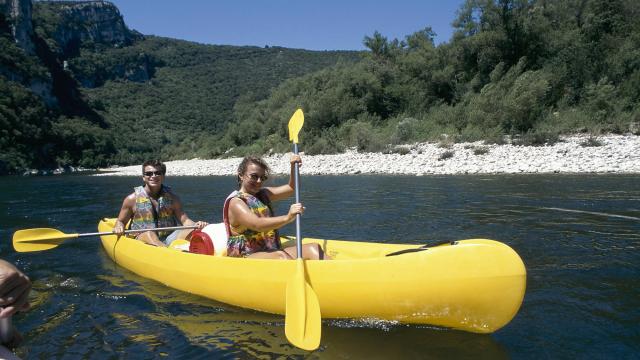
171 237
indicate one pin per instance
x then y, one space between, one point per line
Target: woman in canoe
251 224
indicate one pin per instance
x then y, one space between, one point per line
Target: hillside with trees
527 71
522 70
191 92
114 96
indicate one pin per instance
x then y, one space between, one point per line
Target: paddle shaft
302 321
142 230
296 176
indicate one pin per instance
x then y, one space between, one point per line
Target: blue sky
313 25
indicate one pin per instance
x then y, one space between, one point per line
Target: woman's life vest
246 242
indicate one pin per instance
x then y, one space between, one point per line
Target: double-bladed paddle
40 239
302 322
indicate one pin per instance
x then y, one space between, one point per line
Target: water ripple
578 239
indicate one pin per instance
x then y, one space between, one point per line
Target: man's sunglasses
255 177
151 173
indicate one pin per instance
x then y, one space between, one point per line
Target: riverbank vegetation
530 69
525 70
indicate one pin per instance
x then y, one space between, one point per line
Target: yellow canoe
475 285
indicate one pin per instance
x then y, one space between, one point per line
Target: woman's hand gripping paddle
302 322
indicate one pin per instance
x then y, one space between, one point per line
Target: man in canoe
251 224
152 206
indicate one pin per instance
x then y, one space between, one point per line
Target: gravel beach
615 154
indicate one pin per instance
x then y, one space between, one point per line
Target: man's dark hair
156 164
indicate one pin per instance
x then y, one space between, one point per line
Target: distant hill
186 90
79 88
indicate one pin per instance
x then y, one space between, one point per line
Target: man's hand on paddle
201 224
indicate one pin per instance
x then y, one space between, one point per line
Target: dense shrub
448 154
591 141
525 70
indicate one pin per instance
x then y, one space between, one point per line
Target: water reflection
237 332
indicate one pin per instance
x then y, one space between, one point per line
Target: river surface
579 237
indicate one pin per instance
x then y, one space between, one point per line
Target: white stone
619 154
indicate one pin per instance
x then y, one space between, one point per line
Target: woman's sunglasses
255 177
151 173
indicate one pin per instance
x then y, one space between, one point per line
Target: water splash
372 323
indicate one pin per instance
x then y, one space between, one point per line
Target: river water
579 237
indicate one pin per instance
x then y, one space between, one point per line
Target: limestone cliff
19 62
42 43
17 14
75 24
82 33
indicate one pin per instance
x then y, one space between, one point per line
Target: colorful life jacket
249 241
146 216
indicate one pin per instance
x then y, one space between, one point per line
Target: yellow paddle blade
302 322
39 239
295 124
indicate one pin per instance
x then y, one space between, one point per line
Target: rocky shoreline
613 154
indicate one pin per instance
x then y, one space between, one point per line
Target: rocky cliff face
16 18
51 35
80 32
86 23
17 14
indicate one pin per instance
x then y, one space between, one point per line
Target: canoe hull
476 285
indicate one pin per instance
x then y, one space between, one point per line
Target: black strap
154 211
421 248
